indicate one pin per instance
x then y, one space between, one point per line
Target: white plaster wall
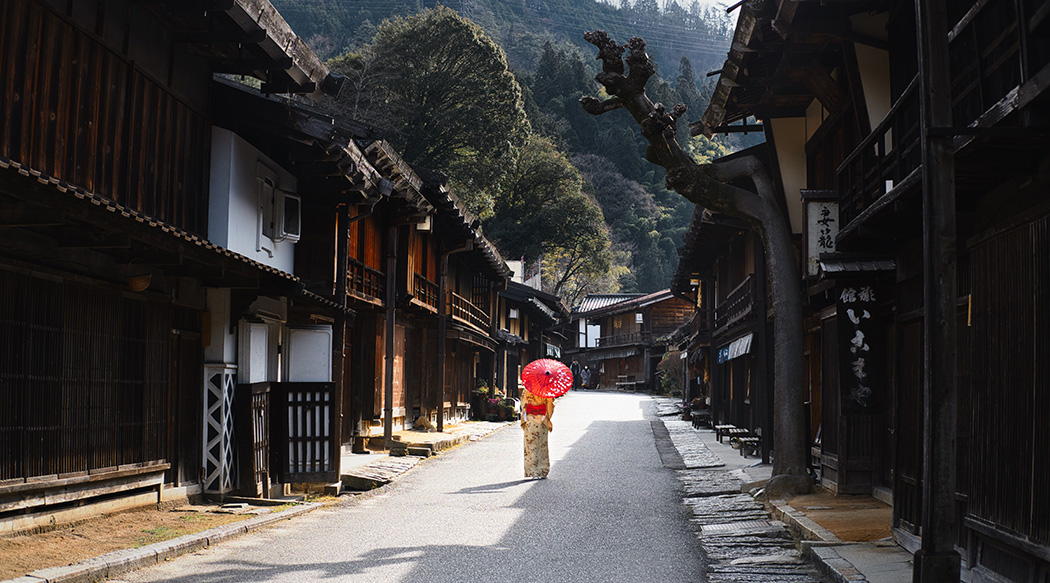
233 213
874 67
815 115
789 136
222 344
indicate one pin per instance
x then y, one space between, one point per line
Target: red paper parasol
546 378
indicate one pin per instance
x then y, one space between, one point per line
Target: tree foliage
542 214
443 93
549 57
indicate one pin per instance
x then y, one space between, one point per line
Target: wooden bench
700 417
728 431
749 444
752 443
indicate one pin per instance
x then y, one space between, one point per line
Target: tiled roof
627 302
161 226
597 301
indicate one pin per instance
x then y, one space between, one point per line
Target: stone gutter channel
742 537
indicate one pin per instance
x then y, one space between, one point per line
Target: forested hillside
554 67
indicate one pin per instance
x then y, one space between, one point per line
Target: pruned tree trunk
708 186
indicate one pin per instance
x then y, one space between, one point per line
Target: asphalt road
609 512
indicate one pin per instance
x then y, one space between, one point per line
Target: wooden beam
287 85
810 27
96 240
30 216
824 88
220 37
202 6
739 128
249 66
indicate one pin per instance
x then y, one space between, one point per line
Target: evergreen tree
443 92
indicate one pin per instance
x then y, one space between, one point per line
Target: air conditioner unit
281 212
287 216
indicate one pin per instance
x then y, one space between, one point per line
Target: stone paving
736 534
693 451
378 473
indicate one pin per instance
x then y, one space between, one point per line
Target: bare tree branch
707 185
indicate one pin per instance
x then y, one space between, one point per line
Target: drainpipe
391 298
442 330
339 336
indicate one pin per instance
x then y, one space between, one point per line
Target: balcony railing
890 157
738 305
426 291
988 66
463 310
702 320
624 339
364 280
987 60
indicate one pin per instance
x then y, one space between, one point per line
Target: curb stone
125 560
800 525
828 560
817 544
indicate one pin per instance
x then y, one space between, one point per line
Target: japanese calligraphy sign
860 354
821 210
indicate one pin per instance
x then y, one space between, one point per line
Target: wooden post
391 299
937 560
342 240
439 406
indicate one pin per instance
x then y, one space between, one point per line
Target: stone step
378 473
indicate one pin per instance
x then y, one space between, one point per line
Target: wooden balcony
702 323
888 160
365 282
426 292
998 67
463 310
738 305
624 339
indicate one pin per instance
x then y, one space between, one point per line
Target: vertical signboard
821 209
859 347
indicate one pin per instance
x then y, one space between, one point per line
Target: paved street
610 511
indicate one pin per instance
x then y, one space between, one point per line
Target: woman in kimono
536 421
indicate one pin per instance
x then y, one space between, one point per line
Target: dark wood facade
141 346
105 143
722 271
633 337
866 145
527 330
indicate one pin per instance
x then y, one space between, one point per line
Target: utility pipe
442 330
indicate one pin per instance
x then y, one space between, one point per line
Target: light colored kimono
537 455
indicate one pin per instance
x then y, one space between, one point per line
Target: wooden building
112 284
470 273
722 272
528 330
924 246
630 337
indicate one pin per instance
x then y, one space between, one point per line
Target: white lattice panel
218 427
